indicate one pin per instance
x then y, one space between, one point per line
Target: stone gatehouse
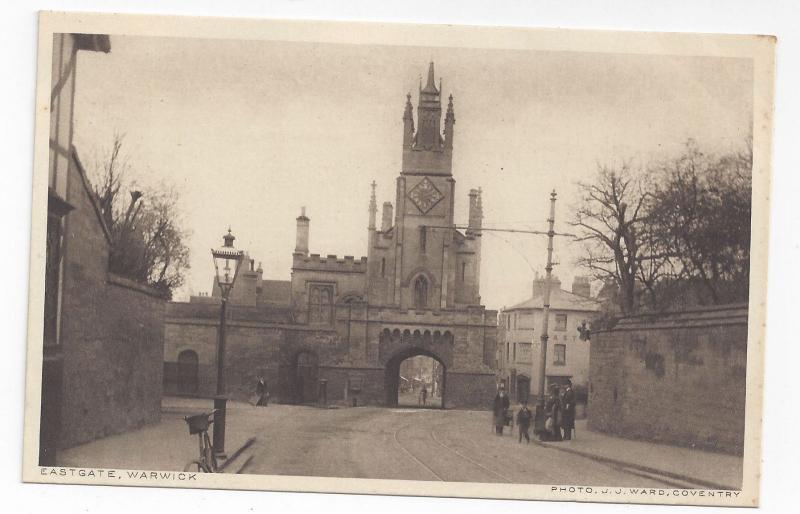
342 326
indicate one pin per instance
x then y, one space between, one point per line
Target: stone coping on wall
249 324
211 310
718 315
118 280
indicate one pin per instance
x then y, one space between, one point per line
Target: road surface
413 444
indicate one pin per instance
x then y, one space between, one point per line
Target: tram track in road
468 459
414 457
432 437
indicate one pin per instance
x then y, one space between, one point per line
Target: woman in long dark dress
262 393
553 416
500 410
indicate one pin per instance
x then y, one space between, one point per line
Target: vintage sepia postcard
399 259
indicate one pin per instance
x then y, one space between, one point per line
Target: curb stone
247 444
646 469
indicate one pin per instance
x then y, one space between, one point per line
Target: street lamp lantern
227 260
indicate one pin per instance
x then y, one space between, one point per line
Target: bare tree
148 243
611 218
109 180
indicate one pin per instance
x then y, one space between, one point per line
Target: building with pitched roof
520 330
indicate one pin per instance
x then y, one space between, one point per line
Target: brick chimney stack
581 286
386 219
539 281
475 213
301 247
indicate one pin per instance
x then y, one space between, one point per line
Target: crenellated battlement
316 262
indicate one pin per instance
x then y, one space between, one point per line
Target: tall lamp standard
227 260
540 405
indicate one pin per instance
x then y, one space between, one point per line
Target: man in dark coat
500 408
524 417
568 410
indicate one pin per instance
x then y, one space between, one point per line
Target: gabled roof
559 300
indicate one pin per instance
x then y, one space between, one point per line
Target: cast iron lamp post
227 260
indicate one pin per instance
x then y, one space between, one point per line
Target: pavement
163 446
686 467
404 443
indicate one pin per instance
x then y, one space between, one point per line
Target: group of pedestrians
558 412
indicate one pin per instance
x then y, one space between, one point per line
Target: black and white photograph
399 259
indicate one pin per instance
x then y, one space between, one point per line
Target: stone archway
392 374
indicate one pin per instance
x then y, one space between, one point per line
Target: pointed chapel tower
424 202
427 150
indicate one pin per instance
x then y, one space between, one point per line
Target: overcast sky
250 131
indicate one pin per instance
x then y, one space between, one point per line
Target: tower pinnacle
430 86
429 115
449 121
373 207
408 123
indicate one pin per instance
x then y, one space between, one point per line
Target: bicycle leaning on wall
198 424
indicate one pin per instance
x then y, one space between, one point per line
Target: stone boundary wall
113 362
676 378
111 338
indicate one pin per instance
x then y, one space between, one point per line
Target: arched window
321 304
421 293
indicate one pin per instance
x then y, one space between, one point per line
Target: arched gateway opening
415 378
